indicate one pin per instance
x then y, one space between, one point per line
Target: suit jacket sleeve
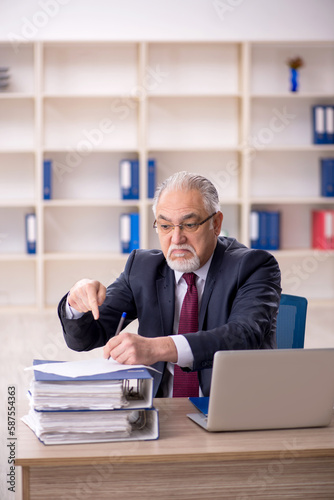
85 333
135 292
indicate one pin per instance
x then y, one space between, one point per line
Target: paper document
85 368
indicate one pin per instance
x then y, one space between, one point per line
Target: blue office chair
291 319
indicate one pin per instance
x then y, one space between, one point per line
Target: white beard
183 265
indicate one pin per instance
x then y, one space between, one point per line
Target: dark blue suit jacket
238 310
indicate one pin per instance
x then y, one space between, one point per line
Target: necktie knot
190 278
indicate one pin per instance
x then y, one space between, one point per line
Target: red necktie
186 383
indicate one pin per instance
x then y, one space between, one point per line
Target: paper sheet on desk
84 368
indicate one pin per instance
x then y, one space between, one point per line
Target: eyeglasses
187 227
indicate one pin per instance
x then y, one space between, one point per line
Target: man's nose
178 236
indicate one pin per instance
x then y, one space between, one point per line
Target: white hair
186 181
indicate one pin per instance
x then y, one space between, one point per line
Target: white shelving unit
220 109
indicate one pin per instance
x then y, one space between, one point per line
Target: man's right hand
87 295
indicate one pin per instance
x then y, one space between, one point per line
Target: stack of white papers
91 401
80 426
83 395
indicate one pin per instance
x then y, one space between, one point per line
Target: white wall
167 19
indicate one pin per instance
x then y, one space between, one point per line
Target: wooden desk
186 462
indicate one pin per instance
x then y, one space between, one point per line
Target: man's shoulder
148 255
234 250
146 260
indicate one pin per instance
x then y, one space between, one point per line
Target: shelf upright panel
142 146
38 67
245 153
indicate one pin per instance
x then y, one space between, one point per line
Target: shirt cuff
70 312
185 357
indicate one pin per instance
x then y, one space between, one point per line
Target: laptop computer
268 389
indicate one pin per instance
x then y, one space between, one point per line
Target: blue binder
151 172
129 232
327 177
47 179
30 229
319 125
329 121
129 179
258 232
265 230
273 230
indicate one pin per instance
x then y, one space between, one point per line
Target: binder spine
329 120
254 229
47 179
319 127
129 179
265 230
30 225
323 229
273 230
125 232
129 232
327 177
151 173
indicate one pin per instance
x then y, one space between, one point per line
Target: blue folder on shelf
47 179
129 179
329 121
319 125
129 232
30 230
327 177
151 172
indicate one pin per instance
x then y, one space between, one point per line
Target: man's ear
217 223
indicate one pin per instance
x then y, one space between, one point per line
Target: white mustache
180 247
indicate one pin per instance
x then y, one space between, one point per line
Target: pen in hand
119 328
120 324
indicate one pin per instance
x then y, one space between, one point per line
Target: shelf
92 96
292 201
195 148
17 257
194 68
92 203
296 148
294 95
302 252
94 256
82 228
220 109
17 124
15 95
83 125
9 203
200 122
270 73
84 68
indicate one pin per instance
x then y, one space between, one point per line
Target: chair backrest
291 319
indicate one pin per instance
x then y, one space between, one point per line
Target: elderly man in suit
232 294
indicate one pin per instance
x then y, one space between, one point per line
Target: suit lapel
166 298
214 270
